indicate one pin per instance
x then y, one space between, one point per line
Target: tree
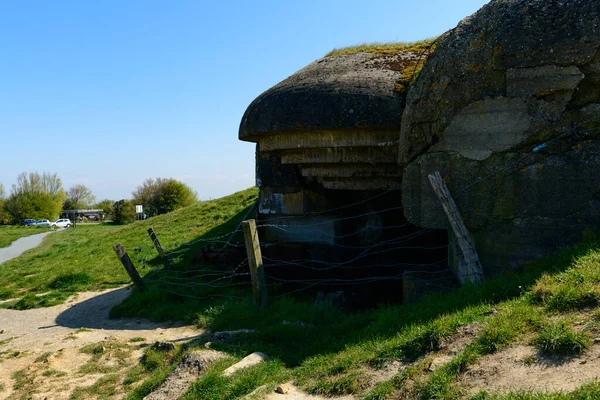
163 195
4 217
35 183
79 197
35 196
124 212
106 206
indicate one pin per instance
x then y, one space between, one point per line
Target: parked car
29 222
62 223
43 222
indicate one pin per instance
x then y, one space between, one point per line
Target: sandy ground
20 246
295 394
62 331
521 368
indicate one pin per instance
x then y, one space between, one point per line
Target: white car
43 222
62 223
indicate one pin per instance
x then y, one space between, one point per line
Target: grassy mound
83 258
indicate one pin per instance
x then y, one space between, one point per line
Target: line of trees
41 196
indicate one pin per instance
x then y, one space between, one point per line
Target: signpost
139 210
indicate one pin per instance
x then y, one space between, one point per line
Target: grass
10 233
104 387
213 386
558 338
324 350
154 368
586 392
409 67
331 353
83 258
43 358
382 48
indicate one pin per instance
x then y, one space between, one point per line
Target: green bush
124 212
162 195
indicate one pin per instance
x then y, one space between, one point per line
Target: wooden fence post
129 267
470 270
257 272
161 251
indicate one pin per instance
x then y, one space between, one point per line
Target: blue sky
110 93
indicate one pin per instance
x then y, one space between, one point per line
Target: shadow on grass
293 330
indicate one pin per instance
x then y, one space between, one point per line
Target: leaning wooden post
257 272
471 270
129 267
159 248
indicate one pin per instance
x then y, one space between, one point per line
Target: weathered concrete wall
516 75
533 49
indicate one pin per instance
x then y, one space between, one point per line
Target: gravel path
45 328
20 246
57 331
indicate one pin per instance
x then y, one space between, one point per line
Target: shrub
124 212
162 195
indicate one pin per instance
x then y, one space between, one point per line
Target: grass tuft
71 282
559 339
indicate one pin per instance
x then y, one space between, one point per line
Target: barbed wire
187 282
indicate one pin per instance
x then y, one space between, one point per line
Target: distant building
91 215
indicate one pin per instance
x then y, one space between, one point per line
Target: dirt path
20 246
521 368
34 342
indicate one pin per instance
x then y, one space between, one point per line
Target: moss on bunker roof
382 48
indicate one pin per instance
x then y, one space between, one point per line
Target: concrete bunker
506 108
328 177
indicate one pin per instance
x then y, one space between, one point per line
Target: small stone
208 345
439 362
597 340
282 389
248 361
583 362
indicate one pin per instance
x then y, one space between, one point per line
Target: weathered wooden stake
159 248
257 272
129 267
470 270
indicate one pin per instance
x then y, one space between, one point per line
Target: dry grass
383 48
